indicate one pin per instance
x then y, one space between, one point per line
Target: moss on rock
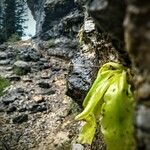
3 84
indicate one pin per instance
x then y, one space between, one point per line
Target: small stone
48 92
20 90
8 68
22 109
26 79
144 91
2 107
89 26
14 78
8 99
21 68
46 76
11 55
77 147
56 68
46 66
38 98
20 119
44 85
2 110
29 54
37 108
11 109
3 47
4 62
3 55
43 59
143 117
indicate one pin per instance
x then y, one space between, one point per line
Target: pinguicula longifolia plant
110 101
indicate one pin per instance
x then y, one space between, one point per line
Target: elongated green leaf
102 77
117 120
88 130
97 95
110 100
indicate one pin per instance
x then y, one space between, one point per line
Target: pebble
48 92
77 147
26 79
3 55
7 100
143 117
44 85
20 119
38 98
14 78
4 62
38 108
11 109
9 68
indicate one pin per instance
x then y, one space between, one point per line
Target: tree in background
21 14
12 20
1 20
9 22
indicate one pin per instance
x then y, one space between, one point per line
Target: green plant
19 71
14 38
3 84
111 101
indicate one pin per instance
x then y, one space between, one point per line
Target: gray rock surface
55 18
81 73
109 16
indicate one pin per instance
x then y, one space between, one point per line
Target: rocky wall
137 37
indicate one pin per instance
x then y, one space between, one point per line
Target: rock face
137 37
55 17
37 7
109 16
